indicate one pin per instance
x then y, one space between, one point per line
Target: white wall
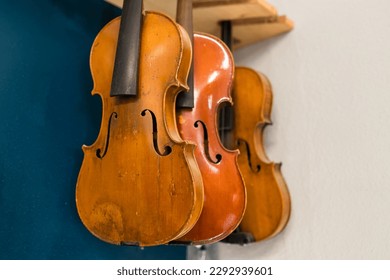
331 131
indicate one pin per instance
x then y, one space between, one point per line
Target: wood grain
139 183
225 193
268 199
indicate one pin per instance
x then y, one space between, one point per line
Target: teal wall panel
46 115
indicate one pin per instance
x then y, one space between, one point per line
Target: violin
224 189
268 199
139 183
269 203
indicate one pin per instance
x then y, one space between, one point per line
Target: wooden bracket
253 20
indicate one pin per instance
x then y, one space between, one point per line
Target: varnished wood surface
268 199
127 191
225 193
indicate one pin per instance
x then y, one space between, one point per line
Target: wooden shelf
253 20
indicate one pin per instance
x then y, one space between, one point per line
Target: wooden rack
253 20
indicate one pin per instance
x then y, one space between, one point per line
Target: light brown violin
268 198
225 193
268 201
139 183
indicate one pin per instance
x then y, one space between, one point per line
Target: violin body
139 183
268 199
225 193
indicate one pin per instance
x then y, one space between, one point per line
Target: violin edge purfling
117 198
213 80
269 202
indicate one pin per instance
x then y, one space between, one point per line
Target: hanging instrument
268 199
225 193
139 183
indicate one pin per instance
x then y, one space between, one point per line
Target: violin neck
125 75
226 117
184 18
226 33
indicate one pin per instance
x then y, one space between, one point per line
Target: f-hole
99 151
167 148
206 143
255 169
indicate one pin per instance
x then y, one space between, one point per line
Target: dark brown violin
225 194
139 183
268 199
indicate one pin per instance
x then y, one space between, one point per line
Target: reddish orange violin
225 193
